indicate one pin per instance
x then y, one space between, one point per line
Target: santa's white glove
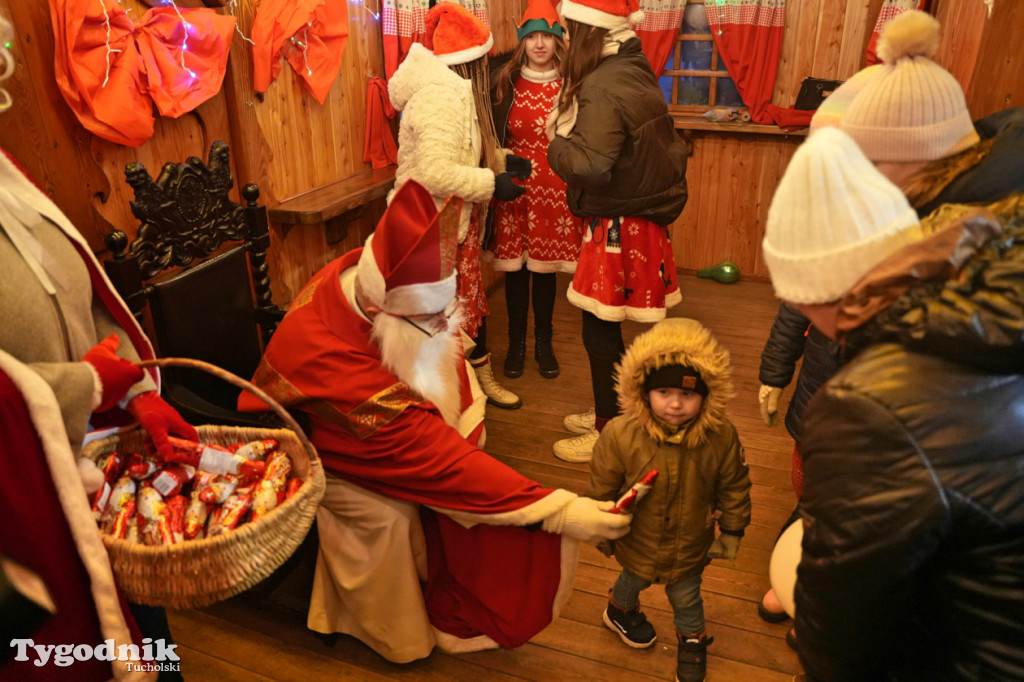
588 520
768 398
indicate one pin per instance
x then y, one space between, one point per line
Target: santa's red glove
160 419
116 375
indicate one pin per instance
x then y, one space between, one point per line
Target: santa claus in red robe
425 539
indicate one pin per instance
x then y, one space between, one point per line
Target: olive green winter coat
701 468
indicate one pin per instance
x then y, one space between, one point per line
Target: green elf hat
540 15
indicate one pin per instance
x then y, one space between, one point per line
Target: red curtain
748 35
663 19
889 10
402 24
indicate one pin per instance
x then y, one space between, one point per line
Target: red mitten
160 419
116 374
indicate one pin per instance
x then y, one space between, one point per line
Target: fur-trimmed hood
675 341
422 69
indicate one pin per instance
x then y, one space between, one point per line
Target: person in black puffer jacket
913 548
792 337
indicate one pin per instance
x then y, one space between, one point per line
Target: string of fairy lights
299 41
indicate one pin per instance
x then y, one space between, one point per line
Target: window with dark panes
693 80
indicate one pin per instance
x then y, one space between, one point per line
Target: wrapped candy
636 493
269 492
111 468
218 490
122 492
292 487
140 467
122 519
172 477
195 517
177 505
231 513
213 458
133 529
154 517
257 449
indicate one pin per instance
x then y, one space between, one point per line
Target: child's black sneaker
692 658
631 626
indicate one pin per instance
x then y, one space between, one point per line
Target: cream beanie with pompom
831 111
833 218
912 110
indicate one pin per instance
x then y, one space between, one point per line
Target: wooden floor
236 640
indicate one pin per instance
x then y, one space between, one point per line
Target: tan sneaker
576 449
497 395
580 423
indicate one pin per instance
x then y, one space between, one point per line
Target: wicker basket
201 572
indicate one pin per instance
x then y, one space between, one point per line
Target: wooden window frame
690 116
712 74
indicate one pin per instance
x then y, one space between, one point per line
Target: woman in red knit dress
534 235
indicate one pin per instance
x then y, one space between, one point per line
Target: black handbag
813 92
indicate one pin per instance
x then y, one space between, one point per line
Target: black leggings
603 341
517 299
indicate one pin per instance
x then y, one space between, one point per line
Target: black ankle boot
515 358
545 355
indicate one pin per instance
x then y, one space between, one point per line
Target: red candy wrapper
218 490
111 468
122 492
231 512
154 517
292 487
257 449
122 520
177 506
269 492
171 477
635 494
140 467
195 517
213 458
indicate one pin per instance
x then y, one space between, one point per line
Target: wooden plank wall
288 143
732 177
84 174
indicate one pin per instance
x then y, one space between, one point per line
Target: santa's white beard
428 365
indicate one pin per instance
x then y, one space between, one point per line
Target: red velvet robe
495 578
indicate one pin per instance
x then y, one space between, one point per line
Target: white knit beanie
913 110
831 111
833 218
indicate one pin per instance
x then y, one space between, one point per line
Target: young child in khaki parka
672 383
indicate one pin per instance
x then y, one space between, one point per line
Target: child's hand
725 547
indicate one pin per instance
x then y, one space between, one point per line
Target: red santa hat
408 264
455 35
610 14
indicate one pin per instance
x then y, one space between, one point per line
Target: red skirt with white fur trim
626 270
469 280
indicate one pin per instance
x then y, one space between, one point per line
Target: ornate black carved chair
205 301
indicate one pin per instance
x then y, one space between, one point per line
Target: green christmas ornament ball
725 272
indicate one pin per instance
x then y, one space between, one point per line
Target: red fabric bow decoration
145 64
310 34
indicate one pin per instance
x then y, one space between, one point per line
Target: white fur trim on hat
409 299
593 17
833 218
468 54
